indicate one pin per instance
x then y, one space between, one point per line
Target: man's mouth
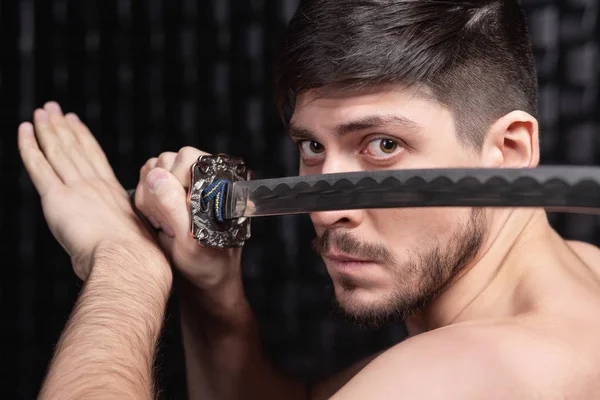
343 258
343 262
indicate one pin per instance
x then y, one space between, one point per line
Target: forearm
107 347
225 359
223 351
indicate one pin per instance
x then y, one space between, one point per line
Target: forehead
322 110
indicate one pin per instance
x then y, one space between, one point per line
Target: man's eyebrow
299 132
368 122
377 121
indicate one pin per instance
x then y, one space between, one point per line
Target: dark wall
156 75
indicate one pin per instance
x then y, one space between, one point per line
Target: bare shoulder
589 253
486 360
450 363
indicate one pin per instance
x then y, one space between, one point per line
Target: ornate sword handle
207 196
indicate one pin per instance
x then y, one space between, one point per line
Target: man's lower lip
348 265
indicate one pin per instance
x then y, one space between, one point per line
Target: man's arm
224 355
108 344
223 352
107 347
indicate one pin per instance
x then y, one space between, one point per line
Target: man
497 304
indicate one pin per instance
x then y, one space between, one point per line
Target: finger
145 207
168 198
141 193
181 168
144 198
41 173
166 242
147 167
53 149
69 140
166 160
57 122
92 148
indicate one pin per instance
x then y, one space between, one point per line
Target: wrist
135 265
212 272
224 294
225 305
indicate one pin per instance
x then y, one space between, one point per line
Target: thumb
168 197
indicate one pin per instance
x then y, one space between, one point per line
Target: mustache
351 246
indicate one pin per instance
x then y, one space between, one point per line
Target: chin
368 307
375 303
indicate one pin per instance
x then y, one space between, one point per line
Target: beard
429 271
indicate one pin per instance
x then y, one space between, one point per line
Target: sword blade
555 188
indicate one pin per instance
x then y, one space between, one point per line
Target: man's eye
311 148
383 147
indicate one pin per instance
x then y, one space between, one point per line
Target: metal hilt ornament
207 198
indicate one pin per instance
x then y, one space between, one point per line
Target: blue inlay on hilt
215 192
208 193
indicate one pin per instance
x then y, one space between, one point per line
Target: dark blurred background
156 75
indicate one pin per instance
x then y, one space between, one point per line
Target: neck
486 287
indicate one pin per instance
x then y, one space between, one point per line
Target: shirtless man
498 305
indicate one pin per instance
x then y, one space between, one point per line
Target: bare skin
504 327
107 347
536 342
517 319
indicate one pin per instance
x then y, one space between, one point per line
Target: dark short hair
474 57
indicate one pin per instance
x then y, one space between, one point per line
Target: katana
223 197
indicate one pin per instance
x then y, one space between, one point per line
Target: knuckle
188 153
189 150
54 118
66 136
165 159
150 177
36 160
152 162
60 125
53 151
148 165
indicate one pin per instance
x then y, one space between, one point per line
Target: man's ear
512 142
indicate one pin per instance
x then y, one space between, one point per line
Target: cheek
301 169
403 229
319 229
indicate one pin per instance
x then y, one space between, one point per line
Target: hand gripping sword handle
207 194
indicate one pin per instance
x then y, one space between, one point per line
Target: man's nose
346 219
342 218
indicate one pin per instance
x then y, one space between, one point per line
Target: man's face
386 263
